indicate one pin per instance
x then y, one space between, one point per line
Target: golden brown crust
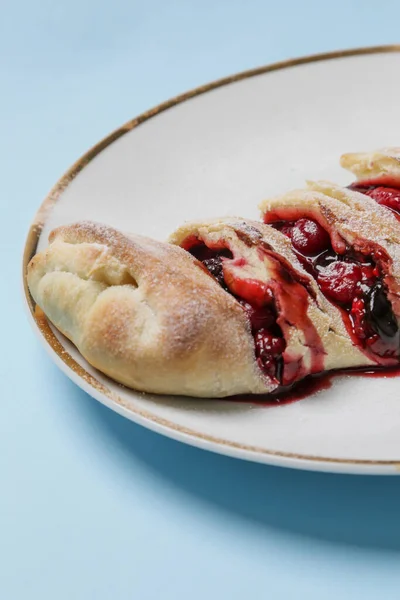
243 238
145 313
380 164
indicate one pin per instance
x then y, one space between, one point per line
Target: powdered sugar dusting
177 332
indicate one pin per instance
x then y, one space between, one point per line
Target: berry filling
383 195
308 237
280 303
258 303
354 282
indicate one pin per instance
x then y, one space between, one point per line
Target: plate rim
80 376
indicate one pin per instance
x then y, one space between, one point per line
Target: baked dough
355 223
145 313
378 177
381 164
256 250
150 316
351 218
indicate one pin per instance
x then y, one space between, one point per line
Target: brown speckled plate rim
116 402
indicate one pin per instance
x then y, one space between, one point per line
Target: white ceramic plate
218 151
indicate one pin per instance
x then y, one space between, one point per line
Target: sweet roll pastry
378 176
296 331
350 245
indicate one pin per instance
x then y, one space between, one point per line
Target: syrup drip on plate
314 384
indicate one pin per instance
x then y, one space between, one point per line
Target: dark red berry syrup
352 280
266 305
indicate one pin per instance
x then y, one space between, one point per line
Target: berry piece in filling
380 312
354 282
212 260
214 266
257 301
308 237
269 350
260 318
273 307
339 280
385 196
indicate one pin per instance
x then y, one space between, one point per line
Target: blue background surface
92 506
